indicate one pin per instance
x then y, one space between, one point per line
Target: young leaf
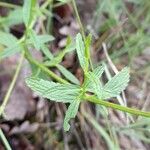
7 39
68 75
65 93
11 43
46 52
71 113
70 47
45 38
95 75
56 60
39 40
88 41
34 39
117 84
80 51
98 71
10 51
28 11
14 17
95 85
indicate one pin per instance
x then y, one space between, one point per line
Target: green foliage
97 73
65 93
14 18
112 88
69 93
47 52
92 89
68 75
58 59
28 11
7 39
39 40
71 113
54 61
95 84
81 51
88 42
116 85
11 43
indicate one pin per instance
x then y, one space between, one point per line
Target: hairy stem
133 111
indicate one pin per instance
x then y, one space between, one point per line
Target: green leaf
81 51
11 43
28 11
45 38
47 52
98 71
70 47
39 40
55 60
71 113
112 88
65 93
58 59
95 76
95 85
116 85
15 17
10 51
7 39
34 39
68 75
88 41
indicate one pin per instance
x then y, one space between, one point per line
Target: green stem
5 141
78 19
4 4
133 111
49 19
7 96
43 68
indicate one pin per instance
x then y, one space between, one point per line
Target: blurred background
121 37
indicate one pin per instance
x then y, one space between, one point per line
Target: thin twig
7 96
5 141
78 19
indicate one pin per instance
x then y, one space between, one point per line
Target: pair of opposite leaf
74 94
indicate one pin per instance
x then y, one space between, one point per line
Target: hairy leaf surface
117 84
28 11
80 51
71 113
65 93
